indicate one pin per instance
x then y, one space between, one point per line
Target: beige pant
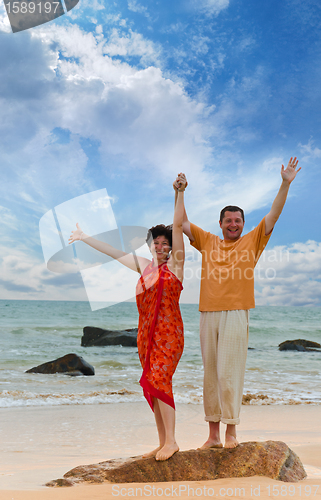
224 341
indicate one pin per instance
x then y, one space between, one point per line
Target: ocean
35 332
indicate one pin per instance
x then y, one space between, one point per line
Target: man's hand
180 184
288 174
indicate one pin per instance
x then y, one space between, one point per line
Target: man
227 294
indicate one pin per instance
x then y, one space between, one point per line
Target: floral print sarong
160 337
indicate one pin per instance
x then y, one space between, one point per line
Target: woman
160 337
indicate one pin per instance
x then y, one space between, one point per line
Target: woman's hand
180 183
76 235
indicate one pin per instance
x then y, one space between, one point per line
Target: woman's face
160 249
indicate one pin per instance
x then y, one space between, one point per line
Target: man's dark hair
159 230
231 208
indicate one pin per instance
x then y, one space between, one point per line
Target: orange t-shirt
227 281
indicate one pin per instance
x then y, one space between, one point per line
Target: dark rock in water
70 364
94 336
272 459
299 345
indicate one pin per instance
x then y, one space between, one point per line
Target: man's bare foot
152 453
230 441
211 444
167 451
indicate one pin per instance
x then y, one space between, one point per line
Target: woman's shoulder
170 275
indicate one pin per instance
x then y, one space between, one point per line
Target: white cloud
212 7
246 44
83 6
272 164
134 6
309 152
26 278
290 275
7 217
199 45
178 27
133 45
4 21
103 202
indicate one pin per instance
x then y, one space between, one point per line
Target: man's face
232 226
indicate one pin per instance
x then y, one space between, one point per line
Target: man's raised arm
186 222
288 175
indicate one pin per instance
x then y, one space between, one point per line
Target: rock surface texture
299 345
70 364
94 336
272 459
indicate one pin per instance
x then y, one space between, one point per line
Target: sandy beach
39 444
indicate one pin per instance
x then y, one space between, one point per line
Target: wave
25 398
264 399
17 398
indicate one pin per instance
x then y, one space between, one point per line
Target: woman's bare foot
211 444
152 453
167 451
230 441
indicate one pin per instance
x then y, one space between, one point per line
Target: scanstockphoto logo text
275 255
26 14
240 265
149 490
283 490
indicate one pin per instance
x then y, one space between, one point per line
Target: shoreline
40 444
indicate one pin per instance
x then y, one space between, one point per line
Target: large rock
273 459
70 364
94 336
299 345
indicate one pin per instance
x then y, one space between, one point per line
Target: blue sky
124 95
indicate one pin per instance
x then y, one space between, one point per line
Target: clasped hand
180 184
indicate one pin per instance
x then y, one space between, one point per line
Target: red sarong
160 337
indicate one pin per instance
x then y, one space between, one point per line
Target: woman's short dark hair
160 230
231 208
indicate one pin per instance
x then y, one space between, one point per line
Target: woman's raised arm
127 259
178 250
